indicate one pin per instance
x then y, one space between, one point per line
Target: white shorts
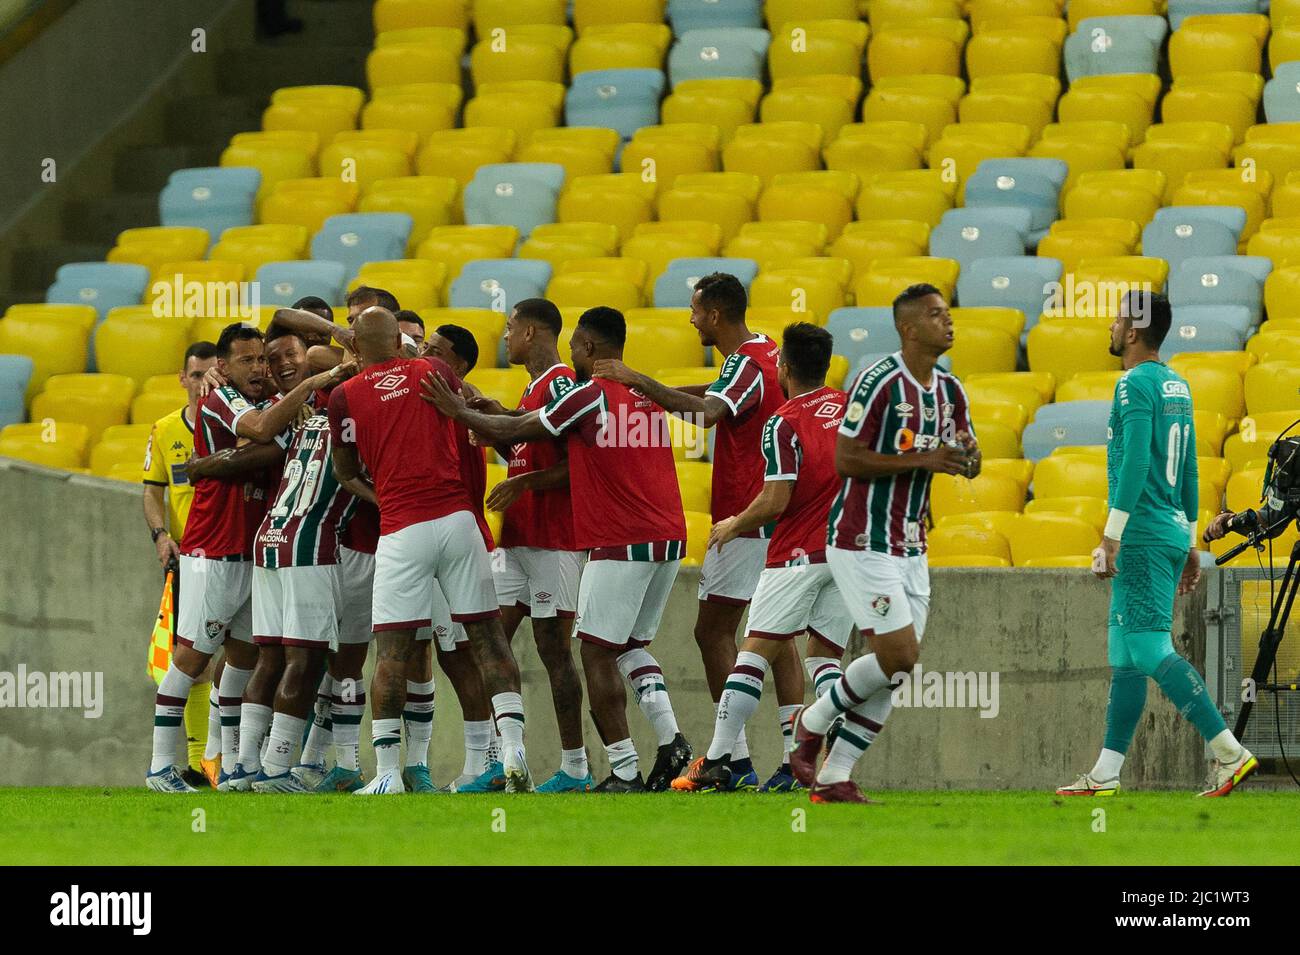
407 561
296 606
451 635
215 602
790 600
620 602
544 582
356 585
730 576
883 593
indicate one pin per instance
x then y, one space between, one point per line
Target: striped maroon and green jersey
747 384
303 525
892 413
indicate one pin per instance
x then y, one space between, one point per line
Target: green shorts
1142 591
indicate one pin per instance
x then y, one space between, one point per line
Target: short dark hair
913 293
236 332
1154 308
723 291
605 323
406 315
463 344
200 350
806 350
314 303
383 298
542 311
278 331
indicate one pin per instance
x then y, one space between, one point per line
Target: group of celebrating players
339 479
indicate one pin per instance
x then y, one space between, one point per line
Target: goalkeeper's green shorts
1142 591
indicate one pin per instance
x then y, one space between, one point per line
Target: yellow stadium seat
323 120
1282 246
1226 194
613 52
994 520
1073 247
903 50
662 161
708 234
588 289
1018 469
31 448
402 14
1070 475
803 231
764 248
807 203
149 406
1011 321
931 111
988 492
823 267
812 54
617 207
993 52
1176 159
887 277
882 12
1089 386
559 250
656 251
953 540
911 229
120 457
983 348
513 57
1092 510
114 389
695 482
490 14
459 160
958 157
95 411
747 90
1123 201
1209 45
446 38
1234 362
1146 86
828 110
1001 389
629 270
524 113
727 113
487 327
1275 344
1248 449
777 12
578 156
860 248
994 107
1003 413
1126 232
55 347
1201 132
1243 490
349 98
808 297
766 157
1226 105
1080 10
1115 105
890 200
83 317
865 156
587 13
948 88
188 242
999 440
403 63
69 434
140 346
654 345
1282 292
728 210
1211 427
1133 270
698 526
1068 346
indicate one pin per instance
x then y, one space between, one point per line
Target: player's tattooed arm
234 462
676 401
512 488
311 327
263 424
770 504
853 459
499 429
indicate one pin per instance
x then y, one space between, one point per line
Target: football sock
573 762
508 708
254 720
642 672
861 726
1128 698
1109 763
418 716
196 723
1186 690
1226 747
622 759
786 716
740 696
494 745
168 712
823 672
478 740
229 695
387 738
862 678
740 753
346 710
212 749
285 733
322 727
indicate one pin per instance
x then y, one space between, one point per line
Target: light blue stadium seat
1032 184
516 279
1065 423
1154 28
213 198
1282 94
549 173
1256 266
1237 318
246 179
1016 218
676 285
992 239
1017 282
1175 240
15 375
102 297
519 194
1200 335
1180 10
861 331
1233 217
1094 54
105 285
1056 171
687 15
624 100
283 283
713 54
1221 281
355 238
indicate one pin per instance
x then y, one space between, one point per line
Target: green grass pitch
125 826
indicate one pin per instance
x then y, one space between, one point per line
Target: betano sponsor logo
55 690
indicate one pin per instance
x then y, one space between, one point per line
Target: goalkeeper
1149 552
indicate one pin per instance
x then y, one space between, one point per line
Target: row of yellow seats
116 451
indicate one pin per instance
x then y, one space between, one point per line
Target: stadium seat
715 54
498 284
589 289
1064 424
1070 475
1204 45
882 282
1051 535
988 492
140 346
1197 334
283 283
954 540
979 348
966 243
1021 283
1070 345
354 239
994 52
623 99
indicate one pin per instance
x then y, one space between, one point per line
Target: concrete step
146 168
35 265
100 219
341 21
211 119
257 71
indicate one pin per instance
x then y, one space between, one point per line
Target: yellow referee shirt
170 445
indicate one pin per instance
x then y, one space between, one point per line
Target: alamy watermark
951 689
75 689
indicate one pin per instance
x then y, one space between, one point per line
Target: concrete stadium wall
79 589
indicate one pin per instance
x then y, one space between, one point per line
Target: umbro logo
830 409
389 382
903 408
542 596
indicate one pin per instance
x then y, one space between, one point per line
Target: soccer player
907 420
537 569
427 531
628 514
738 403
411 324
796 591
1149 553
168 496
216 572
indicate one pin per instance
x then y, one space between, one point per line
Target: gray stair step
34 265
146 168
341 21
100 219
257 71
211 119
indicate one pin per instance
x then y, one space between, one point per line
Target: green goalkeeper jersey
1151 457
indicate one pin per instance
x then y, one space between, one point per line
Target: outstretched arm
234 462
263 424
767 506
498 429
673 400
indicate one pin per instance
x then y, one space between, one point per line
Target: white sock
347 705
573 762
231 693
642 672
168 716
785 715
322 727
1109 763
254 720
508 708
478 740
823 672
285 733
623 760
740 696
862 678
213 747
417 715
387 738
1225 747
494 747
862 725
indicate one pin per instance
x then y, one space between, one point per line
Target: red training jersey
748 385
540 518
621 472
407 445
799 446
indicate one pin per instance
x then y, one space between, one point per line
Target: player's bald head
377 336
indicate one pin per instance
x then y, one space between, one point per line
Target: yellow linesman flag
164 628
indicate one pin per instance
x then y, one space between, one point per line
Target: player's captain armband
1115 524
